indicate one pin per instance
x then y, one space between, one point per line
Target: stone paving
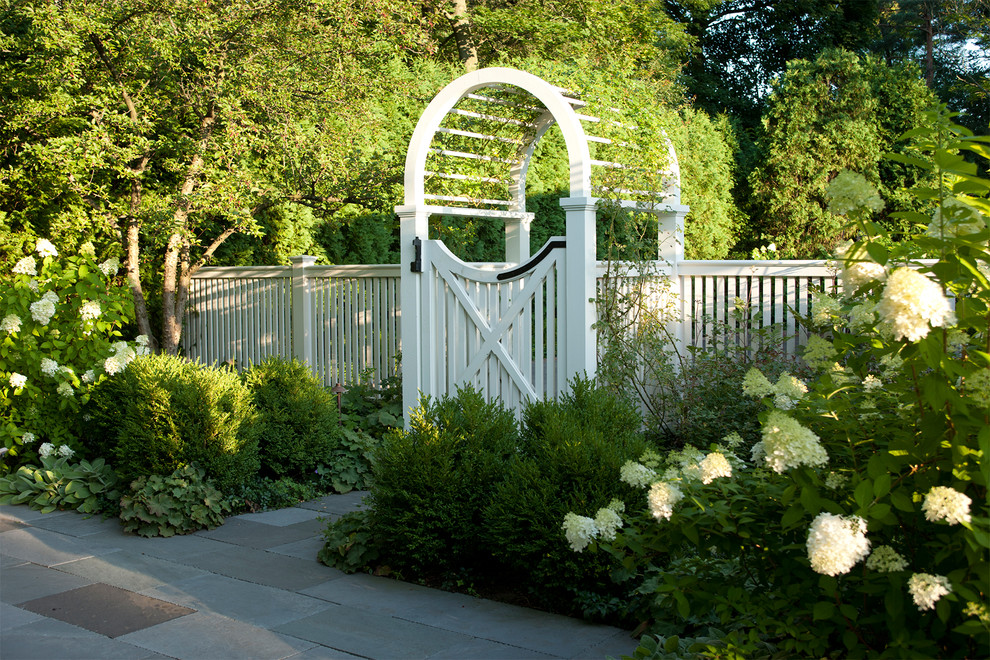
73 587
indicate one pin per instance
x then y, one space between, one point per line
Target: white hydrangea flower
859 273
33 285
66 451
50 296
824 309
758 454
789 386
850 191
948 504
17 380
927 589
871 383
42 311
607 522
45 248
954 218
713 466
912 304
787 444
579 530
836 480
45 450
89 376
65 389
732 440
756 385
26 266
90 310
28 438
11 324
110 266
857 269
836 544
112 365
636 475
617 505
818 352
662 498
884 559
862 316
49 367
141 340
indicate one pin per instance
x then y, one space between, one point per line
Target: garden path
78 587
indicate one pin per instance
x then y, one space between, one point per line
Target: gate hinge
417 264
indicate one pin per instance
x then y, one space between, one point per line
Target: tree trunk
461 24
132 248
173 304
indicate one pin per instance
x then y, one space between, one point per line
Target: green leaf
881 485
863 493
822 610
902 501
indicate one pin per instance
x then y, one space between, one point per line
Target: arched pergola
523 331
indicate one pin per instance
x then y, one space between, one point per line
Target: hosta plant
58 484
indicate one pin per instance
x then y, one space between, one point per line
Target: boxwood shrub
433 482
298 423
165 412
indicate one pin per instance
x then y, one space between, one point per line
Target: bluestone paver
79 526
50 638
266 568
29 581
255 604
130 570
203 636
42 546
372 635
304 549
12 616
237 531
281 517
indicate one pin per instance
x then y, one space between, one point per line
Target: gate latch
417 265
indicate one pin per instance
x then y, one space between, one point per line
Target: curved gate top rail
469 156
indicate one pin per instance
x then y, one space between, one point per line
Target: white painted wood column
580 339
413 224
670 241
303 333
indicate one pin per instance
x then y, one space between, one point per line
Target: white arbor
521 331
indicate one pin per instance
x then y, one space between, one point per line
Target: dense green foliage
467 496
298 425
836 112
180 503
434 480
165 412
569 450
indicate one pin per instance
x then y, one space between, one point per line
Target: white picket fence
344 320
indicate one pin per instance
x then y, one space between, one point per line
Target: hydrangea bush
859 524
60 329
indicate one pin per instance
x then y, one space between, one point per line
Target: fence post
670 241
303 332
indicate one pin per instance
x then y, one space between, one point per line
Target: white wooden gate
520 331
500 332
